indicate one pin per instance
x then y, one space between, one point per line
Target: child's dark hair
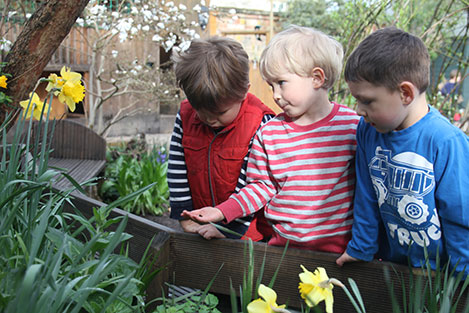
213 71
388 57
453 74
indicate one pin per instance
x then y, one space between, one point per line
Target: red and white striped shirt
304 176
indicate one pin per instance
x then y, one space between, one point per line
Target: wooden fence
73 52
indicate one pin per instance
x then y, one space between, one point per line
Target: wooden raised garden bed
192 261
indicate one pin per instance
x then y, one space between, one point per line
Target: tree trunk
36 44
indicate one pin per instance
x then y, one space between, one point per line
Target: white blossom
80 22
184 45
5 44
156 38
168 44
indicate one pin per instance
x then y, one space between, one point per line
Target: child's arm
364 243
179 190
452 198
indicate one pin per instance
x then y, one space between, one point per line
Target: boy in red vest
213 131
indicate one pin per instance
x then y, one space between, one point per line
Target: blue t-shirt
450 88
412 190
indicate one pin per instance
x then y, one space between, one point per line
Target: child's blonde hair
299 50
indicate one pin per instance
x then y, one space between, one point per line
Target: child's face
381 107
225 114
294 94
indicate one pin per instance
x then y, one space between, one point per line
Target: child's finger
185 214
189 214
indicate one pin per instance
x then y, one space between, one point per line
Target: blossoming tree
118 71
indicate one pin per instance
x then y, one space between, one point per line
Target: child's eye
365 102
281 82
220 113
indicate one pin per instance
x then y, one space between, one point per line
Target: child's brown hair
213 71
388 57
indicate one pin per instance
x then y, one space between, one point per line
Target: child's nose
360 111
276 94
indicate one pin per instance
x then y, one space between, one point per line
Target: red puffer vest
213 160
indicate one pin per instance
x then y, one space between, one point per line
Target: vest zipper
212 195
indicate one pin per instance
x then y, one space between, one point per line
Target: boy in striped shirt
301 166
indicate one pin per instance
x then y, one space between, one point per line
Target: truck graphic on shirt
402 181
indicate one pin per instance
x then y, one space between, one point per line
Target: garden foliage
56 261
130 168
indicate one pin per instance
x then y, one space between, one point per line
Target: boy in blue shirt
411 162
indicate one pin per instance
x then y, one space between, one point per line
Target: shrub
129 169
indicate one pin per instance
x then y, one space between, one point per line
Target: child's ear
408 92
246 94
317 74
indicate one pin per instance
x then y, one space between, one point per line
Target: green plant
55 261
432 291
196 301
128 171
313 288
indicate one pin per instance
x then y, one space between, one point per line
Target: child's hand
344 258
189 226
204 215
209 231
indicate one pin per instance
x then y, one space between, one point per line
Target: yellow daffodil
35 106
3 81
268 302
316 287
56 82
72 91
68 87
72 94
